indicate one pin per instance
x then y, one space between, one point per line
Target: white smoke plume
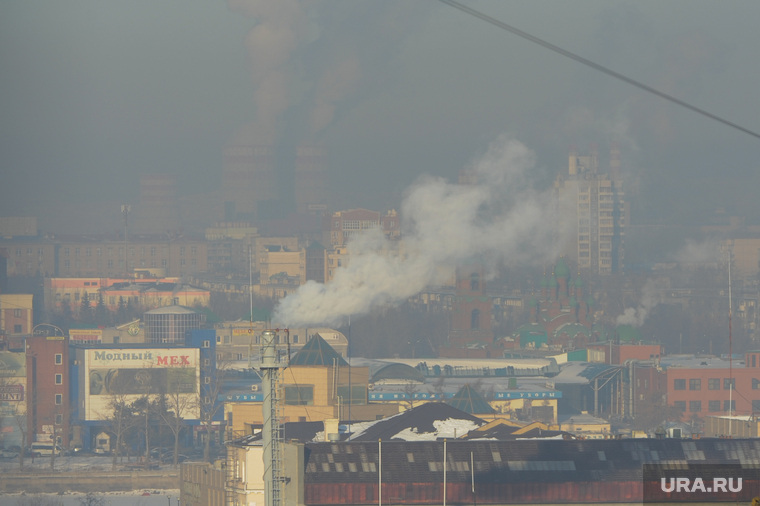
700 253
651 295
498 220
280 30
310 58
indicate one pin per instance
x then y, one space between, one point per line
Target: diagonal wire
595 66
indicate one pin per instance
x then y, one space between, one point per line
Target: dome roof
561 270
628 333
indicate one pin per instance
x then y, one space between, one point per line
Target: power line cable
595 66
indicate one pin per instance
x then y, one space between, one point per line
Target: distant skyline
94 94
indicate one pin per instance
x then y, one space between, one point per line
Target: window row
712 384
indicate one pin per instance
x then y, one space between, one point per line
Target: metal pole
350 393
379 472
444 472
472 477
730 353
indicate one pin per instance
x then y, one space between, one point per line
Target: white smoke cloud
280 30
700 253
651 295
499 219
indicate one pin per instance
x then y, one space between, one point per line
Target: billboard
127 374
13 397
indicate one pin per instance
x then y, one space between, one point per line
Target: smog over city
546 206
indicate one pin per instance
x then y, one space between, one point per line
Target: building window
206 343
358 394
755 384
58 399
17 313
695 384
713 384
695 406
680 405
732 406
59 379
58 358
729 383
475 282
475 319
713 406
299 395
17 329
679 384
755 406
59 421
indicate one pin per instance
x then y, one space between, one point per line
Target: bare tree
410 388
209 399
92 500
14 411
19 417
178 406
39 500
121 419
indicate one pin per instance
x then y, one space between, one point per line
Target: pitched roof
470 401
426 422
317 352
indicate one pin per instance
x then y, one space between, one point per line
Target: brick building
702 386
49 414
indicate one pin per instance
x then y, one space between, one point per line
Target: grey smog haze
95 93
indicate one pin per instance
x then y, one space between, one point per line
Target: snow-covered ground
69 463
135 498
81 464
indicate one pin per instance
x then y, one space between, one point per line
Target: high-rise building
158 209
248 177
597 201
311 179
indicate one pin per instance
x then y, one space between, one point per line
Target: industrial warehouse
531 468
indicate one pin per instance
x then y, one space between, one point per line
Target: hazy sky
95 93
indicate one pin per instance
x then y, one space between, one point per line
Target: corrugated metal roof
542 461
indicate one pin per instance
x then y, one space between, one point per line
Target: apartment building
596 201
